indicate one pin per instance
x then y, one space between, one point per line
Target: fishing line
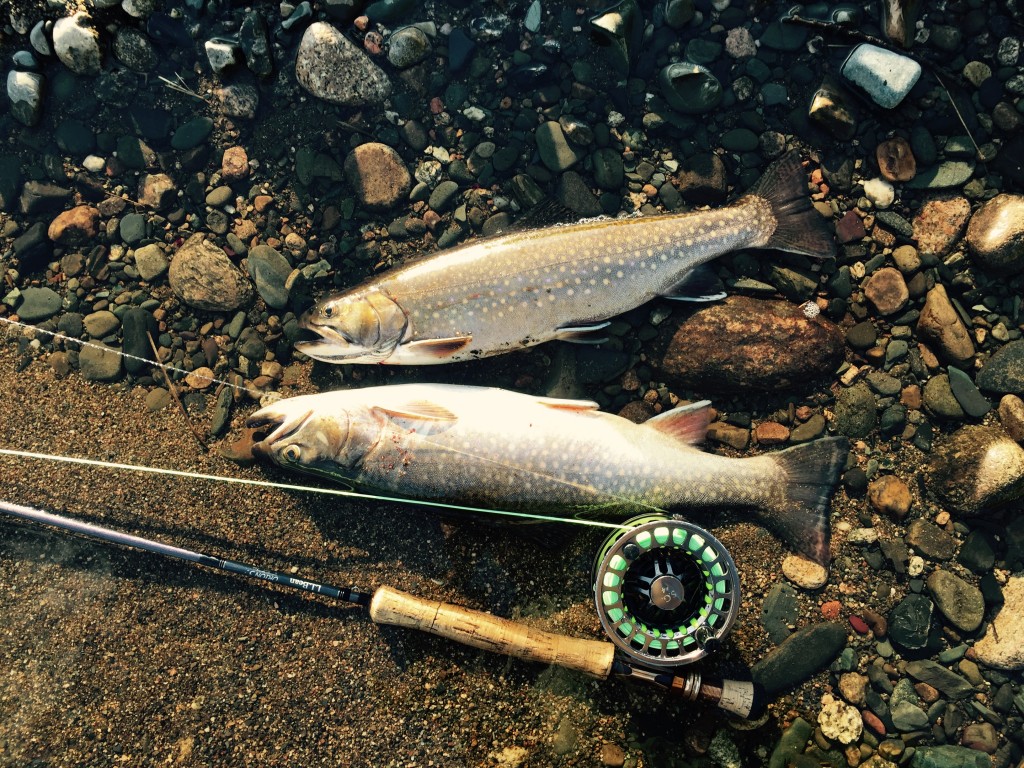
302 488
122 353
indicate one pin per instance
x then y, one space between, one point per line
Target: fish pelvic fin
687 423
799 228
811 473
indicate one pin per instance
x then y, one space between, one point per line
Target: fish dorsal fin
700 284
422 416
687 423
568 405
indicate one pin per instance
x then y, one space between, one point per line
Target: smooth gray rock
800 656
38 304
151 262
1003 373
270 270
946 681
25 92
333 68
554 148
101 324
886 76
99 363
76 43
960 602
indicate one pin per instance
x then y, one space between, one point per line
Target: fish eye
328 311
292 453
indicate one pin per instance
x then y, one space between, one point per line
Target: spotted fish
512 291
497 449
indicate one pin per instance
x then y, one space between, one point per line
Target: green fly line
302 488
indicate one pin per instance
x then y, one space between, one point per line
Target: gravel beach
193 176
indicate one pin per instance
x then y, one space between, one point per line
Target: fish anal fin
687 423
584 334
568 405
700 284
421 416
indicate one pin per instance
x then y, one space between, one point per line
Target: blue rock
38 304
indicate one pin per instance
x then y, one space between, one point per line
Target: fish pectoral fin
429 350
687 423
568 405
584 334
699 284
421 416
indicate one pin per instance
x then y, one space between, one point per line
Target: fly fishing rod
645 585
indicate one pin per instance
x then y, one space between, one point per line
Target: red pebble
871 721
831 609
850 228
436 105
859 625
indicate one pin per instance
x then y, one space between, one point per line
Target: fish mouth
272 425
329 345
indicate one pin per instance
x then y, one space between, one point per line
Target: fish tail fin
811 472
799 228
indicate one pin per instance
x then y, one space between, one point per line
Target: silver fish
515 290
497 449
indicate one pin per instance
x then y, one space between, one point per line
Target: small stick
174 394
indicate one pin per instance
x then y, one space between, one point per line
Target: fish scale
505 450
515 290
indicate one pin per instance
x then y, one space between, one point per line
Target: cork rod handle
491 633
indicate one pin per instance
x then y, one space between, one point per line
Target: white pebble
916 566
880 192
94 163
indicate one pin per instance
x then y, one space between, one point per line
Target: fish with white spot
497 449
515 290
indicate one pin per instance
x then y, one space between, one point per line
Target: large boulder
977 468
744 344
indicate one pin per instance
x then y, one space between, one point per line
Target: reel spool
666 590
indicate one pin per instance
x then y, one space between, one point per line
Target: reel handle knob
740 697
491 633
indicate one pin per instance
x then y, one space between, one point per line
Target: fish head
294 434
364 327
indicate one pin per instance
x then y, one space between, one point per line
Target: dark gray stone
1003 373
971 400
855 411
949 683
799 657
780 611
135 324
949 756
910 622
192 134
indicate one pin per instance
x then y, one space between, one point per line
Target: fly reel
666 590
